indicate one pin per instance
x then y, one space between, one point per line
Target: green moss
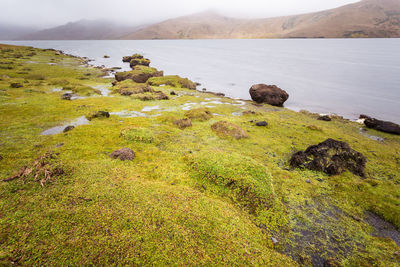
137 135
199 114
173 81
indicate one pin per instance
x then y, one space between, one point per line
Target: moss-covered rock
140 74
228 129
97 114
140 91
129 58
199 114
139 61
172 80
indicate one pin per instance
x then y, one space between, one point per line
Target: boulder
227 129
123 154
270 94
383 126
332 157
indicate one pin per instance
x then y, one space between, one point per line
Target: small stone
172 93
106 56
262 123
66 96
324 118
68 128
308 181
274 240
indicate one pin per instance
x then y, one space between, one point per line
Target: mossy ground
161 210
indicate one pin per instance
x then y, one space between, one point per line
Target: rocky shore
100 167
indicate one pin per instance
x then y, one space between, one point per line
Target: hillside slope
81 30
368 18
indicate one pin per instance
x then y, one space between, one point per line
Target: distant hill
11 32
81 30
368 18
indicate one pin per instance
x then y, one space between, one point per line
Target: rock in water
383 126
68 128
270 94
66 96
332 157
123 154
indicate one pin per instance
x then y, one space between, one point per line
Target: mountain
367 18
11 32
82 30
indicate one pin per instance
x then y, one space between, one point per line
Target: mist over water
343 76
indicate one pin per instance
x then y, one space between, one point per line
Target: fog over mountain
366 18
51 13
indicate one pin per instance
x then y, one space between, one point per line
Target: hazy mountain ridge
82 30
10 32
368 18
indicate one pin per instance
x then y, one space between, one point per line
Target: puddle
382 227
128 114
373 137
104 89
237 113
150 108
59 129
239 103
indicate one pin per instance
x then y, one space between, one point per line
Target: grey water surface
343 76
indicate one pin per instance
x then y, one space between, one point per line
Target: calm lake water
343 76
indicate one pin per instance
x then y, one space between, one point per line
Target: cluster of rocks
332 157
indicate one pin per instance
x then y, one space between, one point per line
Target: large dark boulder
383 126
123 154
332 157
270 94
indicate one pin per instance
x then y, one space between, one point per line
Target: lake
347 77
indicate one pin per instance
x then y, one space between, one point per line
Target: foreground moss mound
240 178
189 197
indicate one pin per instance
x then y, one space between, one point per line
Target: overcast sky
47 13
